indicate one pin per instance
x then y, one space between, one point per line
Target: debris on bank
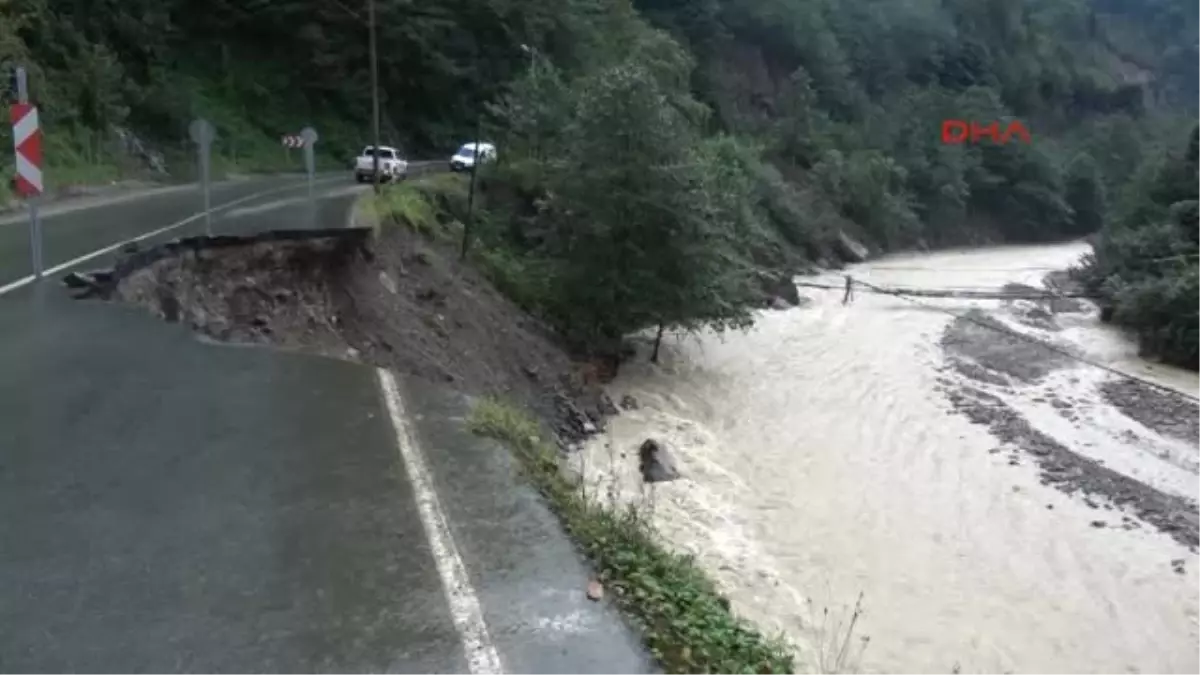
983 354
384 297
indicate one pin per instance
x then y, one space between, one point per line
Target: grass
431 204
406 203
685 622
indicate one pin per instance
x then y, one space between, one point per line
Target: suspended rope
905 294
894 268
978 293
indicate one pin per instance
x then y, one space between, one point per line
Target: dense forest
658 154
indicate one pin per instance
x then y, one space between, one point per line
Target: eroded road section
169 505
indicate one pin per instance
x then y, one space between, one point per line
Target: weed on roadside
430 204
685 622
834 654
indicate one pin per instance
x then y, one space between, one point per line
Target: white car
464 159
392 167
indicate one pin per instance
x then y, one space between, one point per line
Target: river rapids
997 506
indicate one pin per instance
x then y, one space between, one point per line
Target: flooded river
963 487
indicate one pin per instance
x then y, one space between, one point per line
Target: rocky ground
982 354
394 301
1168 415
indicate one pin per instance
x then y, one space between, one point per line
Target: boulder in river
656 463
779 290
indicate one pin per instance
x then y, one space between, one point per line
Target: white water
821 462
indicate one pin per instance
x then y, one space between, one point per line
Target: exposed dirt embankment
391 300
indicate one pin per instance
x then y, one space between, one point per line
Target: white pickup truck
392 167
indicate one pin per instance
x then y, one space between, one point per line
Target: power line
891 268
961 292
1021 336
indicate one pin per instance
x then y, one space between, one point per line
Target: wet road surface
170 505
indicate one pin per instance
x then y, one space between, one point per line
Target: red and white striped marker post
27 140
27 143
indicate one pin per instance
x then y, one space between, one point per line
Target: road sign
27 141
309 135
202 132
291 141
27 144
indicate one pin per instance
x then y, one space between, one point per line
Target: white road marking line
26 280
465 609
263 208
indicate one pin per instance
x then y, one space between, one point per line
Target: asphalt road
168 505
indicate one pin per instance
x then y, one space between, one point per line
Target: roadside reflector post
27 146
203 135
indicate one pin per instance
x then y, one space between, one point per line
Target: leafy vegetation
659 154
432 204
685 621
638 219
677 175
1145 262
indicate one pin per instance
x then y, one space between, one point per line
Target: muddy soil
977 341
1167 414
982 349
398 302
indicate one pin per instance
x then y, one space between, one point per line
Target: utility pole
466 242
374 94
537 128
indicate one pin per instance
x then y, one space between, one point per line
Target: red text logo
955 132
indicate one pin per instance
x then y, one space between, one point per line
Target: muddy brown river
824 457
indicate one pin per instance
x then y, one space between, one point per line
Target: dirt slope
397 301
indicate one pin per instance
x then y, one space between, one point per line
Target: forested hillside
794 121
844 97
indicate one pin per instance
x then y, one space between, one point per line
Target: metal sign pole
202 134
310 164
35 223
207 191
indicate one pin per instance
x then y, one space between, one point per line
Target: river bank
999 509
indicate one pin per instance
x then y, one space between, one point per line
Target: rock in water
779 290
656 463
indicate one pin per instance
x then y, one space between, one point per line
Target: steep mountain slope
844 98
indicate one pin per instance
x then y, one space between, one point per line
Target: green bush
1144 265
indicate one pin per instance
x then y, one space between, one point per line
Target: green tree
1085 195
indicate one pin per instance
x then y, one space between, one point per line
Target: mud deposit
393 301
987 351
1002 503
